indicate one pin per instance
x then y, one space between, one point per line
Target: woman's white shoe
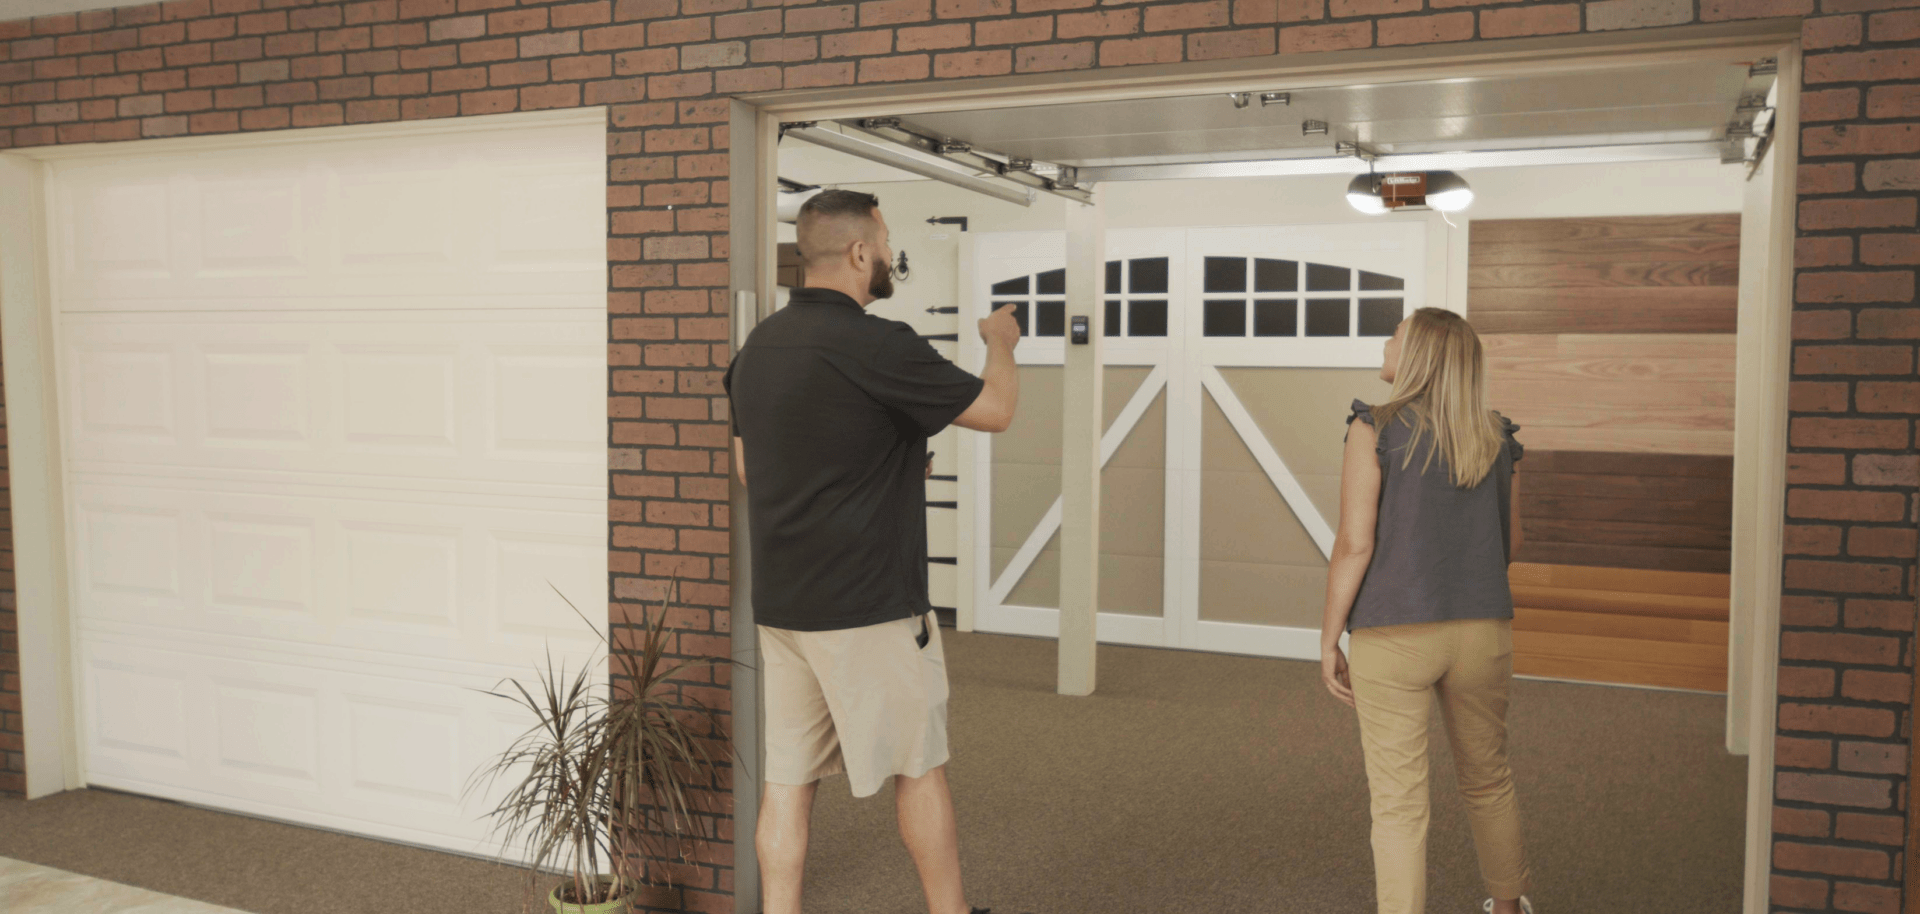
1526 907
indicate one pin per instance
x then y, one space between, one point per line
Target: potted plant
603 776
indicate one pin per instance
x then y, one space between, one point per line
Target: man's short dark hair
830 206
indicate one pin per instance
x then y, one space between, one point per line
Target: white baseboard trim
1044 622
1279 641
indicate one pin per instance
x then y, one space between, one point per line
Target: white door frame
28 346
1584 51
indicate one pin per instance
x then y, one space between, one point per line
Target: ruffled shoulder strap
1514 447
1364 413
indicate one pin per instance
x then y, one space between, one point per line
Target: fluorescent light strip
888 157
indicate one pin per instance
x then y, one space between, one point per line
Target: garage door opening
1615 259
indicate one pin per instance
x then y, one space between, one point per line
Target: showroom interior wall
666 67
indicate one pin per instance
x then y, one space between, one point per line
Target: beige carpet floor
1188 783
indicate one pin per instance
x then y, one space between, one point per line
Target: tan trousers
1396 671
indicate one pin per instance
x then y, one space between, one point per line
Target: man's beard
881 284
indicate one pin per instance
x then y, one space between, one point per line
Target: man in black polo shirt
832 409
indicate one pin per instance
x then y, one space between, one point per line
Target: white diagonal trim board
1109 443
1268 458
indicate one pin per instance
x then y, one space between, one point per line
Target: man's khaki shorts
867 701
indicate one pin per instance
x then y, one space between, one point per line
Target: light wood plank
1621 603
1643 441
1645 370
1618 321
1595 647
1618 299
1610 345
1623 580
1589 394
1621 672
1611 625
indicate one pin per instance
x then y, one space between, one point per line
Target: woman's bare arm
1352 551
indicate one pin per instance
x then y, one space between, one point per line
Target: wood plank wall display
1648 274
1611 343
1668 512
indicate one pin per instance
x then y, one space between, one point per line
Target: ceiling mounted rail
1059 180
1354 160
875 152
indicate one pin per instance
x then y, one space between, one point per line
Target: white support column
38 492
1080 428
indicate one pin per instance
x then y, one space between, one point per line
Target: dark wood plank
1612 464
1714 248
1533 230
1625 533
1639 298
1614 321
1711 560
1601 275
1597 485
1655 511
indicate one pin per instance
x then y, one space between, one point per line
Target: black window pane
1226 274
1328 317
1379 316
1225 318
1054 282
1276 275
1050 318
1020 315
1275 318
1011 287
1377 282
1113 276
1323 278
1147 275
1113 317
1147 318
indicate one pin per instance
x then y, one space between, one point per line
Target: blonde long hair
1442 382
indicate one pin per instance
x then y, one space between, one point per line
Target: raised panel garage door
334 423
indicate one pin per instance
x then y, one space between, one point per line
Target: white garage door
334 418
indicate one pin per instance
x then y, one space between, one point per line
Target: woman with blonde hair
1419 577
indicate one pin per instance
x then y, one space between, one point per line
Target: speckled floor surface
29 889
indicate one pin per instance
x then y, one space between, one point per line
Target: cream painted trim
38 488
1276 468
966 522
1769 463
1524 56
303 136
1117 433
1283 641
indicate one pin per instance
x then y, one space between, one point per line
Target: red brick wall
1847 642
665 66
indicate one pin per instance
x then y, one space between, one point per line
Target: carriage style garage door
334 419
1231 355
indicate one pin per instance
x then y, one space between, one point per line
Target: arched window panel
1042 312
1326 306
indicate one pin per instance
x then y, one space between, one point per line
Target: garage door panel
343 568
334 422
295 736
495 218
479 398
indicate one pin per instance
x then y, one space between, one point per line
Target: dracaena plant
604 779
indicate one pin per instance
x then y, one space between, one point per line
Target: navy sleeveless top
1440 552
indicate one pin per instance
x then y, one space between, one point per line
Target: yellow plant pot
616 906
